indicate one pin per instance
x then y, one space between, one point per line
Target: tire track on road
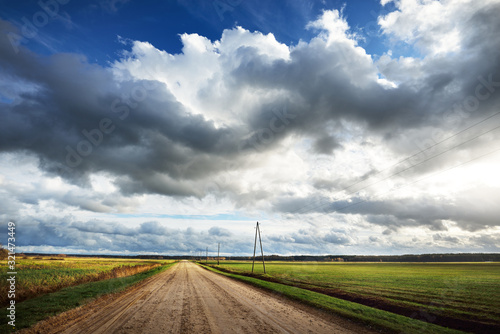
119 311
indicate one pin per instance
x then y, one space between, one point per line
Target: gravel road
190 299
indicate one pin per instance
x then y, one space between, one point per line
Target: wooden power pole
218 253
257 232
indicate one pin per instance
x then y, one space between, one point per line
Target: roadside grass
40 275
459 295
374 318
39 308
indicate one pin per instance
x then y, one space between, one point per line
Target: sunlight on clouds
202 71
302 137
335 36
103 183
386 83
435 27
335 26
234 41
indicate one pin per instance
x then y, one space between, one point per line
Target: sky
166 127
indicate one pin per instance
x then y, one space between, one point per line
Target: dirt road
190 299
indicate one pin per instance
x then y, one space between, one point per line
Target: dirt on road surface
190 299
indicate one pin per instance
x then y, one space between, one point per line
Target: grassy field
457 295
41 275
381 321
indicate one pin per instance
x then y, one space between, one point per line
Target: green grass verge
464 296
34 310
369 316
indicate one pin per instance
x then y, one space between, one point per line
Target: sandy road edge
60 322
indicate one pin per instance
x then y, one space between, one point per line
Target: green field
458 295
41 275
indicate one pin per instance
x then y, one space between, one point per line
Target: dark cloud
101 236
78 119
260 99
325 145
314 236
446 238
465 210
219 232
337 238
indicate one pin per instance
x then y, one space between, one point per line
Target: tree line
450 257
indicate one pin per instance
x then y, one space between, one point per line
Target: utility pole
218 253
206 262
257 230
261 249
254 246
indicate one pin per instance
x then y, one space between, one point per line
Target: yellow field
40 275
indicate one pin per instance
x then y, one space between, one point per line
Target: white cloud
435 27
246 128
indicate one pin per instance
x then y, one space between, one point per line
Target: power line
406 159
432 146
418 180
426 160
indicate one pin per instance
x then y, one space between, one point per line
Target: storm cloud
260 125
